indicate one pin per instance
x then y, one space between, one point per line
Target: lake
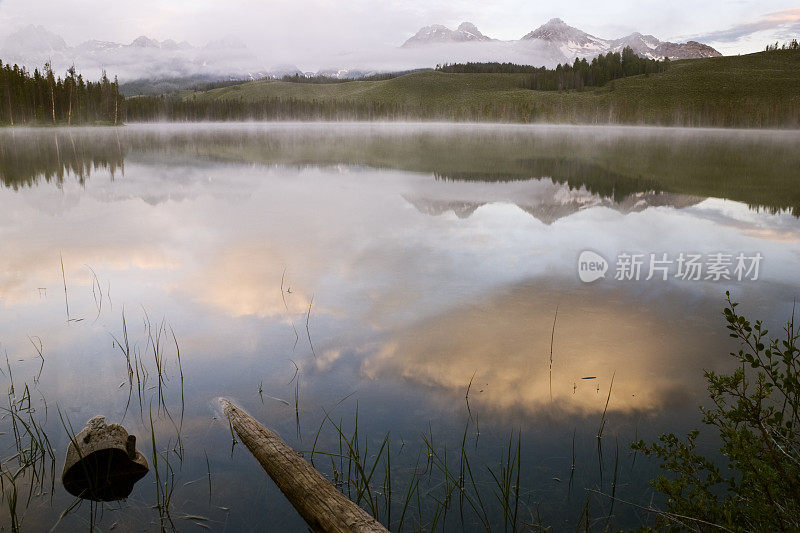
480 288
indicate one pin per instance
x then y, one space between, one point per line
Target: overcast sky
308 26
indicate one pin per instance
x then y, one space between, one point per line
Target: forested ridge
41 97
601 70
582 73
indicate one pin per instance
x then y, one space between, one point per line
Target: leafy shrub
755 413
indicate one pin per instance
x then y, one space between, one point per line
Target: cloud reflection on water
404 277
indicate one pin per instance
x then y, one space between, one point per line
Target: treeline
168 108
221 84
487 68
277 108
580 74
792 45
602 69
740 113
42 98
321 78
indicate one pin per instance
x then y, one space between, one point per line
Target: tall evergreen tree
44 98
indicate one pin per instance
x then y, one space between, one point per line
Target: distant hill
754 91
146 86
570 42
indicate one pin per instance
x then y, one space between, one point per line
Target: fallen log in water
316 499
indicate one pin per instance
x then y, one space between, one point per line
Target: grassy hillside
755 90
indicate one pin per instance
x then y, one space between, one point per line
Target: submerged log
316 499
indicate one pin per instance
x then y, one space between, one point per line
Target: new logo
591 266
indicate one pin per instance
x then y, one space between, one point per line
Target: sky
286 36
308 26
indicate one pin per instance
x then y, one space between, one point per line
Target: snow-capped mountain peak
33 39
566 41
571 41
436 33
556 30
469 28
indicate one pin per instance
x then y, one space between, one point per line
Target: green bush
755 412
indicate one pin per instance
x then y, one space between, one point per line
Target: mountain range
151 65
144 57
567 40
543 199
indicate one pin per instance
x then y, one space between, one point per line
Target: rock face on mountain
466 32
643 45
685 50
471 31
570 42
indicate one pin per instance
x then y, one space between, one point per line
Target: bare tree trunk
316 499
58 152
71 78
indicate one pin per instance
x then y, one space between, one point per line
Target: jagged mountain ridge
142 58
181 64
570 41
34 39
466 32
149 66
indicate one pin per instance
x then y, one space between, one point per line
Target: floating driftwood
102 462
316 499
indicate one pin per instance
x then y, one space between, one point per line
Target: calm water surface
391 265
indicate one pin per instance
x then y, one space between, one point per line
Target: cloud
502 343
780 22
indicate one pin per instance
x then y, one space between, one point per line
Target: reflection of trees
575 174
28 158
759 170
